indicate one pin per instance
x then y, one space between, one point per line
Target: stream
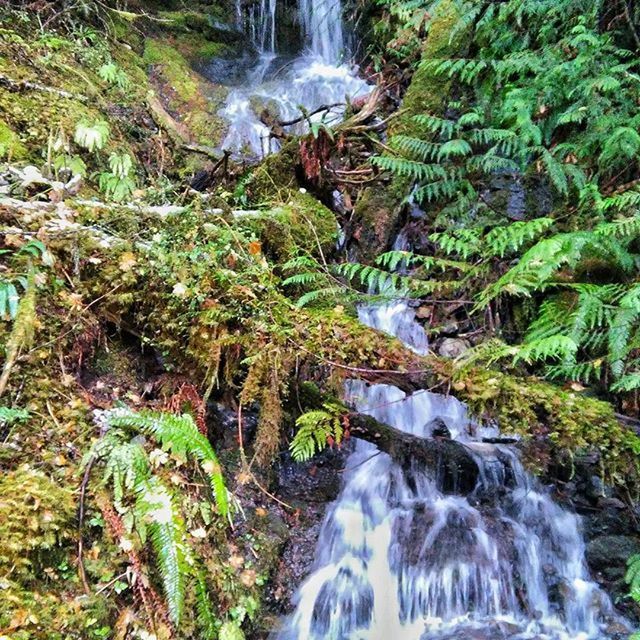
400 555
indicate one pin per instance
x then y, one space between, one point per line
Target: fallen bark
450 462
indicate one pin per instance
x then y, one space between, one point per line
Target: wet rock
597 489
315 481
611 503
223 426
377 215
453 347
611 551
617 630
438 429
451 328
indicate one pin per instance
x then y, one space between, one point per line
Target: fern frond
511 238
315 429
156 509
180 435
205 614
633 576
557 347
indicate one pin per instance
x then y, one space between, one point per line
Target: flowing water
399 558
320 75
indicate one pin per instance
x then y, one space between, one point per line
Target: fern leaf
155 506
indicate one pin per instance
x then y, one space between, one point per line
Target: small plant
10 286
316 430
92 136
118 184
633 580
112 74
61 157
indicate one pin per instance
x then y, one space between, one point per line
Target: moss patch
10 146
36 516
539 411
184 93
300 224
428 91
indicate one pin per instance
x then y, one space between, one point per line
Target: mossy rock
213 25
569 422
36 521
301 224
276 173
377 212
184 93
428 90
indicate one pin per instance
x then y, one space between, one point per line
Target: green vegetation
556 108
125 326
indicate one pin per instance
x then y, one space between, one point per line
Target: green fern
633 576
150 507
158 516
205 614
315 430
180 435
511 238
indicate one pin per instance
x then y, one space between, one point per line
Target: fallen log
19 86
451 464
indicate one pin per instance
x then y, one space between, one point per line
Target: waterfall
314 78
398 558
322 26
262 26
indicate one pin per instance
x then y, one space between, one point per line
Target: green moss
276 173
10 146
189 99
36 519
377 212
44 614
538 411
428 91
300 224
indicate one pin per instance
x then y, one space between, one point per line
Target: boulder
609 551
452 347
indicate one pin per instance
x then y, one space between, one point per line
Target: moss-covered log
451 463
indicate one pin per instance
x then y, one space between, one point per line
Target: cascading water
315 78
399 558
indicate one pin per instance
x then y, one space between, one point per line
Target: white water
319 76
400 559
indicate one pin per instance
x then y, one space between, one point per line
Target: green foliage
633 580
317 429
112 74
118 183
12 415
92 137
546 93
150 507
180 435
